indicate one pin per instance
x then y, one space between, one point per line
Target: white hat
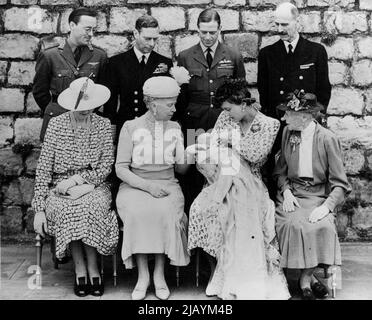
91 97
161 87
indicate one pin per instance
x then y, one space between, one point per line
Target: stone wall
343 26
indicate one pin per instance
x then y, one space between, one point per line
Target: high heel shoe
162 293
81 286
140 293
97 287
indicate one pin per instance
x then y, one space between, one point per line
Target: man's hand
64 185
40 223
289 201
318 213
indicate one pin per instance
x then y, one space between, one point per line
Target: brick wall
343 26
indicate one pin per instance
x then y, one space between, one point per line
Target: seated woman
71 199
150 201
232 219
311 183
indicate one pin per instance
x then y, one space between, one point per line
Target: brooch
294 140
161 68
255 127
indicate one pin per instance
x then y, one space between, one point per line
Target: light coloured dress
304 244
152 225
232 219
87 152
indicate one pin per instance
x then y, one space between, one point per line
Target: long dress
87 152
232 219
151 225
304 244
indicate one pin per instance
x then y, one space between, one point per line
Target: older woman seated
312 182
150 201
71 199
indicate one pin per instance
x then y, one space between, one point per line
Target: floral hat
301 102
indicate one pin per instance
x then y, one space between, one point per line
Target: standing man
58 66
127 72
292 63
209 63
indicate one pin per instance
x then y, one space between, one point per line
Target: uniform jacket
196 108
125 81
276 78
327 165
56 69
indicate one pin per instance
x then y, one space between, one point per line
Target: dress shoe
139 293
97 287
319 289
307 294
81 286
162 292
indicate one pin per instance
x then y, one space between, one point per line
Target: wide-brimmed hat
301 102
161 87
83 94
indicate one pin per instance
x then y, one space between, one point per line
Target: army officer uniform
56 68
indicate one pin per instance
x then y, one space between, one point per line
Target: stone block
124 19
169 18
32 19
27 131
21 73
31 161
18 46
361 72
12 100
10 163
258 21
112 44
251 72
342 48
23 2
31 105
361 190
97 3
268 40
11 220
369 165
3 2
344 101
229 3
353 160
368 95
164 46
310 22
261 3
26 187
189 2
364 47
6 131
29 220
144 1
345 22
365 4
337 73
59 2
11 194
326 3
183 42
362 217
245 43
3 67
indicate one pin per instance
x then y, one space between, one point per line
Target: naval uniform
56 68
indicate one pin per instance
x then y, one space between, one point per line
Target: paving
18 277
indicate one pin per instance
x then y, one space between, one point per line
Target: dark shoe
320 290
81 287
97 287
307 294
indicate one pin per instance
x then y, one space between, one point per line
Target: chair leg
53 251
39 250
178 276
334 285
101 266
114 263
197 266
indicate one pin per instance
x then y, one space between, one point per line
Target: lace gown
232 219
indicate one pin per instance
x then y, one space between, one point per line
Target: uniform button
300 77
59 75
77 69
211 105
188 113
135 92
302 90
210 81
135 117
281 92
136 109
212 93
281 79
208 70
135 101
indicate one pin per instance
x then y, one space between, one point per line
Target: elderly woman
312 183
150 201
71 199
232 219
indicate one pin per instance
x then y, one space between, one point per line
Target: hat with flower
300 101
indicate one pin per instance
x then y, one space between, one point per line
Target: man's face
286 25
146 39
83 31
209 32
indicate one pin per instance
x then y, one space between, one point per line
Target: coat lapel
68 55
86 55
219 55
198 55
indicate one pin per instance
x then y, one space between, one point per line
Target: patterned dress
87 152
232 219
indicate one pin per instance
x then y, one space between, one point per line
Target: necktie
209 57
77 54
290 57
290 50
143 63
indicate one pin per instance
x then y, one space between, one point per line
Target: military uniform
56 68
196 109
307 72
125 78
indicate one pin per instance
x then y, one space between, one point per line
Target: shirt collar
308 132
213 48
139 54
293 43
